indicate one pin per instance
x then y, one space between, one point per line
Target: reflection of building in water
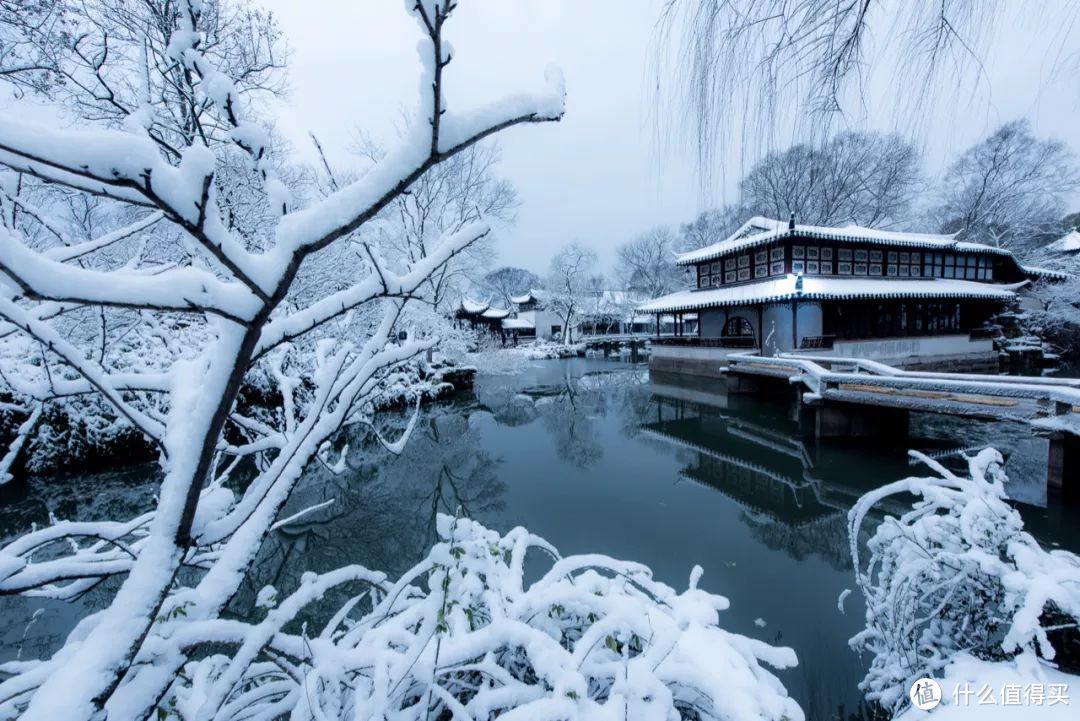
795 495
762 472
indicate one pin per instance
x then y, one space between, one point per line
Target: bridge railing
1056 398
876 368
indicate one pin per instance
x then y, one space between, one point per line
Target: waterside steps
857 398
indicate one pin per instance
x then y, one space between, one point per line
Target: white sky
598 176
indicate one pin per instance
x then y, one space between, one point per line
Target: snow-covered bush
465 634
956 576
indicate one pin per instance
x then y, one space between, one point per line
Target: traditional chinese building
525 318
480 316
907 299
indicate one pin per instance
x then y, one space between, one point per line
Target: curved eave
472 307
1035 273
694 256
690 304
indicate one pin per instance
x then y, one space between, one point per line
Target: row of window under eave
885 319
826 260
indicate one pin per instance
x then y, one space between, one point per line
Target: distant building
525 319
612 312
532 319
908 299
478 315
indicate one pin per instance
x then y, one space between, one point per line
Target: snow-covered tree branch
200 296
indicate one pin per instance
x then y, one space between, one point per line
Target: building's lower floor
938 334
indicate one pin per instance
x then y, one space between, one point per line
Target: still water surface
595 457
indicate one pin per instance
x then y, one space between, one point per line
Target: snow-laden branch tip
300 514
396 447
21 434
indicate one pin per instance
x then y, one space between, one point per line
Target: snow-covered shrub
956 575
463 634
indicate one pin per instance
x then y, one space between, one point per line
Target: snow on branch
180 290
957 577
94 375
21 434
73 252
462 633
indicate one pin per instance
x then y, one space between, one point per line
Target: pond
594 456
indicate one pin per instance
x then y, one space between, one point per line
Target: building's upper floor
764 248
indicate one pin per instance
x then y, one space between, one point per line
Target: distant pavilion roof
473 307
522 299
760 231
495 313
820 288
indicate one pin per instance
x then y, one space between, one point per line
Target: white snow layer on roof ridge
817 288
772 229
472 306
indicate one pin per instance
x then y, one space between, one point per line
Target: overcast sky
600 176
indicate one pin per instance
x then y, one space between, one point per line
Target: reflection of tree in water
115 494
570 411
568 415
569 405
384 509
124 493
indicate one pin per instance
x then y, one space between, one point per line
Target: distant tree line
1009 189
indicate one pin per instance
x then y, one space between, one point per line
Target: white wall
776 328
714 319
809 320
542 320
712 322
884 349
